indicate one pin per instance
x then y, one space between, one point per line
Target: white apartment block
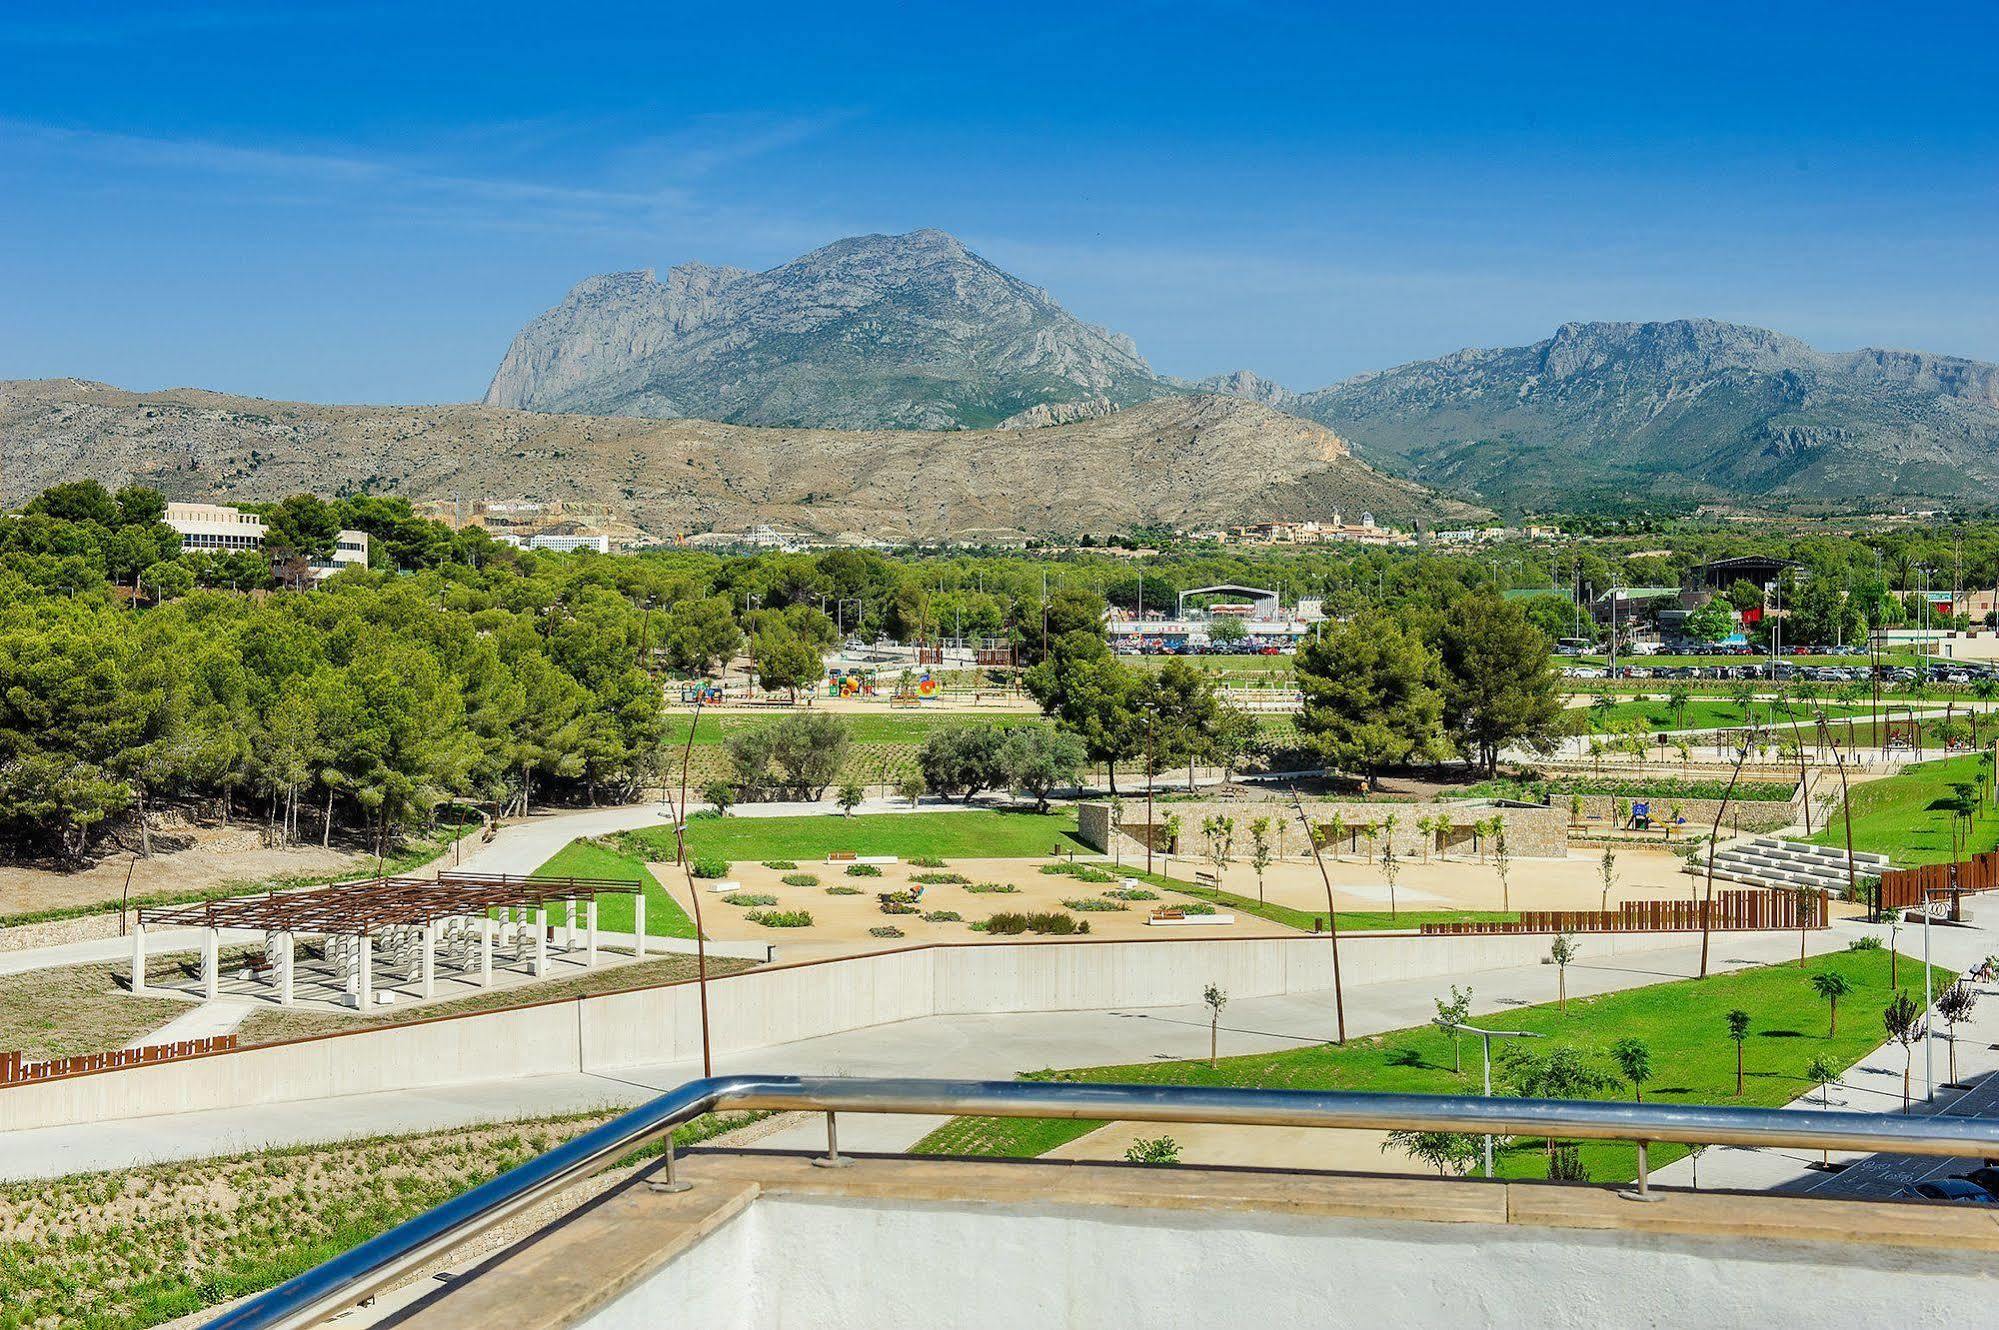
215 527
600 543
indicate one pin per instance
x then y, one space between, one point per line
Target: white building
215 527
350 550
562 544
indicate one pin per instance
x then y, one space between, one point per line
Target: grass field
589 858
1682 1023
1902 816
889 727
973 834
1703 713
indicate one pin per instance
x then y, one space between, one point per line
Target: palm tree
1822 1073
1738 1030
1336 830
1634 1059
1954 1004
1442 825
1427 829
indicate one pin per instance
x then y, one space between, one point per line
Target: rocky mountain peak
876 331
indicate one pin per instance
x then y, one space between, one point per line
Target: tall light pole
1332 917
1485 1039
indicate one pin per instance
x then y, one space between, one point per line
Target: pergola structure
410 919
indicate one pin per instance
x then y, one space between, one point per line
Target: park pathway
979 1046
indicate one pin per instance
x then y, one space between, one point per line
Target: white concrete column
590 930
486 952
569 924
364 974
639 925
287 968
211 963
540 941
430 958
138 958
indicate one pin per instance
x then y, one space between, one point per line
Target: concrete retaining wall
762 1008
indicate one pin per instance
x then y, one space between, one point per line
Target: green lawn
1305 920
1682 1023
1902 817
972 834
1702 713
890 727
587 858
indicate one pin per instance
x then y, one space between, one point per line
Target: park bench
1203 878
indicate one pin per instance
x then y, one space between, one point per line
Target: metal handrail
353 1276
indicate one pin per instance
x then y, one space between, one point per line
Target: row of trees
362 706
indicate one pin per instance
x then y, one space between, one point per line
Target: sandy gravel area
840 923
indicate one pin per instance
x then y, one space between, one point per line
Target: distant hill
1686 409
875 332
1186 460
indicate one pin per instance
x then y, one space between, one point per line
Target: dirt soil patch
212 857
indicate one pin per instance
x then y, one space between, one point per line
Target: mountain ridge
1672 410
1110 473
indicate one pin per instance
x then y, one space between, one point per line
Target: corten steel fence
1733 911
1901 888
17 1070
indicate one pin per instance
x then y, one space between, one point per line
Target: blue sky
363 202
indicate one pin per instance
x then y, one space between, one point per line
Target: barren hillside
1179 461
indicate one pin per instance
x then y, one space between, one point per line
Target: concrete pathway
523 846
979 1046
205 1020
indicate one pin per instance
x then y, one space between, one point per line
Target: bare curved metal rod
352 1276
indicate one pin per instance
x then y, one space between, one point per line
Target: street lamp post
1150 712
1485 1040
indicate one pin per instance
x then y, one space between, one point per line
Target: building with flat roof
216 528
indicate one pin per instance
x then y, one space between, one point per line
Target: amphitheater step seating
1766 861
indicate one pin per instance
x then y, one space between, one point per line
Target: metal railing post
832 1158
671 1182
1642 1189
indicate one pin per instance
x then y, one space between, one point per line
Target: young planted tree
1391 868
1117 819
720 796
1451 1153
1216 1000
1450 1018
1903 1020
1832 986
1821 1072
852 794
1559 1072
910 786
1608 868
1502 864
1259 851
1955 1004
1738 1030
1561 953
1634 1062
